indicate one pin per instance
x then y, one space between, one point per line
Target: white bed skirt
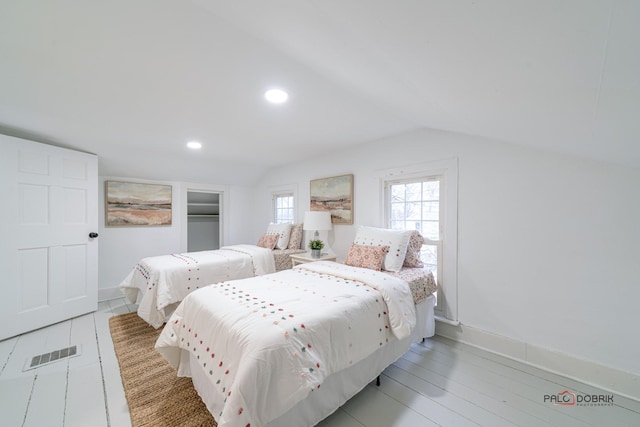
425 319
343 385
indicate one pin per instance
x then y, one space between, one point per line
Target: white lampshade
317 220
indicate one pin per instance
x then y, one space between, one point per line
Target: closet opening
203 220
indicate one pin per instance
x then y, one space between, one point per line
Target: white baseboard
610 379
106 294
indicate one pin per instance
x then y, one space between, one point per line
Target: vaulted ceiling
150 75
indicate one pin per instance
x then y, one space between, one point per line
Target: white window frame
284 191
427 241
447 172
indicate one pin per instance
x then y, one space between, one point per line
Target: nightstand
306 257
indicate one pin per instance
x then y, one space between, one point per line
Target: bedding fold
394 291
262 258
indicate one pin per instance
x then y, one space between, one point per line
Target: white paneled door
49 210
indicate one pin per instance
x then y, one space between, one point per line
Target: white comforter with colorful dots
158 283
266 342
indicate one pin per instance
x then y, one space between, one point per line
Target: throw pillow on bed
396 240
283 231
412 258
370 257
268 241
295 240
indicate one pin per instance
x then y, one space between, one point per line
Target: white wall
243 217
121 247
547 244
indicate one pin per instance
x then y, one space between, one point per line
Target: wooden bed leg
378 381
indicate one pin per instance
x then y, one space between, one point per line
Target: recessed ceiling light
194 145
276 96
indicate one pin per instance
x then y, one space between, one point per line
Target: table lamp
317 221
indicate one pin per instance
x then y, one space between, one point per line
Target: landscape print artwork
137 204
335 195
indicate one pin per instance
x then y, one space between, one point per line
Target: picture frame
136 204
333 194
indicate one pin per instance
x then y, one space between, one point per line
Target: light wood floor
438 382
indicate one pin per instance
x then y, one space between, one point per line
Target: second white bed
158 284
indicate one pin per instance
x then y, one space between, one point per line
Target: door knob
93 235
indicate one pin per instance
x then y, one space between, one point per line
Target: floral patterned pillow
295 239
370 257
283 231
412 258
268 241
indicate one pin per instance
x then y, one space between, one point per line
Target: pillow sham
412 258
268 241
370 257
283 231
295 239
396 240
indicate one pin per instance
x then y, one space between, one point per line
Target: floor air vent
54 356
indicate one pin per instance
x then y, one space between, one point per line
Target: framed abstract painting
137 204
334 194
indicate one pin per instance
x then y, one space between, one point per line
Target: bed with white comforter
159 283
258 347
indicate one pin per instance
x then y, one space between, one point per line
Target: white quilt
265 343
158 283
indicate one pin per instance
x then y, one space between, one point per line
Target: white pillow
282 230
397 240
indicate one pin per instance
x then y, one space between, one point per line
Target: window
424 198
284 208
415 205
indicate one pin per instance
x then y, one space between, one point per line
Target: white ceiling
109 76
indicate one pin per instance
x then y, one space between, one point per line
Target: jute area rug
156 396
